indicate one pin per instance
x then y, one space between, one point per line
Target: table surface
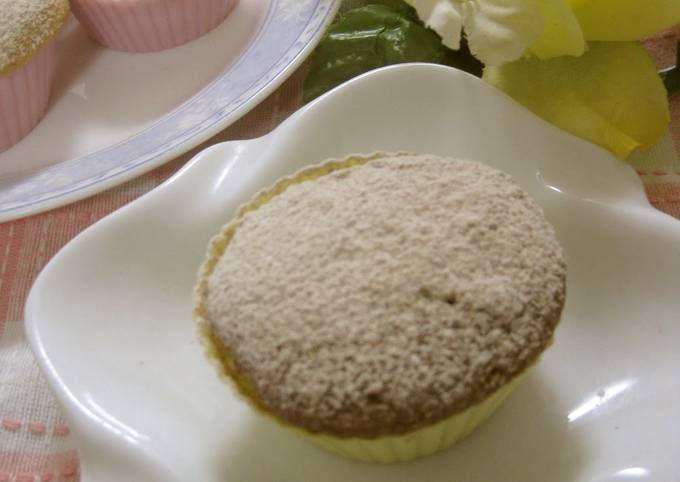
35 443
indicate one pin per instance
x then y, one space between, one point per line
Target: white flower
497 31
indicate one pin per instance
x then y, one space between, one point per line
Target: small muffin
382 306
149 25
27 58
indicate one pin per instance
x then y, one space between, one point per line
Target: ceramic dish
115 115
110 316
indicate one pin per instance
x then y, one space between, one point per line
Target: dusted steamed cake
26 26
375 301
27 60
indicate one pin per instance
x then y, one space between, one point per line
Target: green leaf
399 6
379 33
671 76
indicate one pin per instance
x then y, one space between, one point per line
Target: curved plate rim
56 186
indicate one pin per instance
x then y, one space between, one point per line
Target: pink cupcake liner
149 25
24 95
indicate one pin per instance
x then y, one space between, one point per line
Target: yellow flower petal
562 34
622 20
611 95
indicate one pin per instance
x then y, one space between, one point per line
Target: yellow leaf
624 20
611 95
562 34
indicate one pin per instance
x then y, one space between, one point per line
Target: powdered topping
25 26
387 296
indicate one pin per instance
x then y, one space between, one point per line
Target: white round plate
110 316
116 115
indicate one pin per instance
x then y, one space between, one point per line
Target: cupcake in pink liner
149 25
27 58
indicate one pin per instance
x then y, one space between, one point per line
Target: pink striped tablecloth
35 444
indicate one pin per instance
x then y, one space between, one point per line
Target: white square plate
110 316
